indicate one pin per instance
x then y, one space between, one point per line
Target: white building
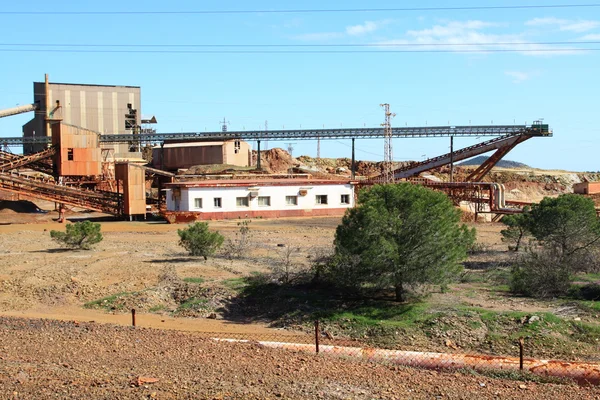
224 199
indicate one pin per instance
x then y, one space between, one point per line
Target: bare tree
286 267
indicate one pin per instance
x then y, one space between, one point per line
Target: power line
550 50
300 11
208 45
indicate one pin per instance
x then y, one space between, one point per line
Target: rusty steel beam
22 161
413 169
44 165
94 200
487 166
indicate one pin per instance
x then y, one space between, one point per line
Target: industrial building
104 109
174 156
225 199
80 134
587 188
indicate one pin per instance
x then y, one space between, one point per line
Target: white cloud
519 76
565 24
591 37
352 30
367 27
546 21
470 36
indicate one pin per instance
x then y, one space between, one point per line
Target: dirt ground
38 278
41 359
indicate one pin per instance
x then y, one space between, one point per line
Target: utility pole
224 125
290 149
318 148
388 151
451 158
266 130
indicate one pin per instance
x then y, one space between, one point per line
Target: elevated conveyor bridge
310 134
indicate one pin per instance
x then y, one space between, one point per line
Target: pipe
17 110
581 372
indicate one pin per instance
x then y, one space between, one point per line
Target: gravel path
46 359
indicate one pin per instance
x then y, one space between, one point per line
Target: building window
70 154
237 146
264 201
345 199
217 202
291 200
321 199
198 203
242 201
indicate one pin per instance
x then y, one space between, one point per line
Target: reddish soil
41 359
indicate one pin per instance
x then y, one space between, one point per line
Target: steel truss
308 134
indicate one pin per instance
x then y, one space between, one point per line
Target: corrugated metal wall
98 108
79 153
186 157
133 187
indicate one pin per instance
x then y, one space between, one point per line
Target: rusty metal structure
84 173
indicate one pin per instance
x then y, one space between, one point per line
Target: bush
566 234
199 241
80 235
285 267
240 246
542 273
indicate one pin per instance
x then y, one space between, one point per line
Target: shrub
541 273
80 235
285 267
516 230
566 234
239 247
199 241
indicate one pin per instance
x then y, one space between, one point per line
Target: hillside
476 161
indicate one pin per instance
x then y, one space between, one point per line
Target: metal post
162 156
119 205
353 166
46 103
159 182
521 351
133 317
451 158
317 335
258 154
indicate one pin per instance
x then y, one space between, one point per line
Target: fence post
133 317
317 335
521 351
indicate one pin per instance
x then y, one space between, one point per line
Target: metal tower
388 151
266 133
224 125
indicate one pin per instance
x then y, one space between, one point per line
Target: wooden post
521 351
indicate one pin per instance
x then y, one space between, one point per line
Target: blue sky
194 91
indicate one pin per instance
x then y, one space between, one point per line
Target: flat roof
258 182
191 144
87 84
